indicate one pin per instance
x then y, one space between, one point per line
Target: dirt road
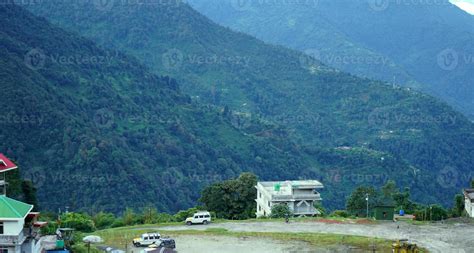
456 238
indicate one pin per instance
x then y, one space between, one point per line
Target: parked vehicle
147 239
202 217
165 243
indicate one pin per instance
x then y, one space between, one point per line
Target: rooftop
13 209
6 164
469 193
293 183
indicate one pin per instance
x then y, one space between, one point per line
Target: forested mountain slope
95 130
425 45
344 121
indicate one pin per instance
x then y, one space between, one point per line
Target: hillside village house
300 196
19 228
469 202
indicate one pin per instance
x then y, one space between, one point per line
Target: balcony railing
297 197
305 211
12 239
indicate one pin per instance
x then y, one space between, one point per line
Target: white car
147 239
199 218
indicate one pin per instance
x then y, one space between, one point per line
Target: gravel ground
225 244
435 237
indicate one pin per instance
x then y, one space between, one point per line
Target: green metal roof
13 209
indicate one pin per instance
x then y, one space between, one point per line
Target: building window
268 203
3 250
1 230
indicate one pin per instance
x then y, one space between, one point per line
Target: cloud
466 5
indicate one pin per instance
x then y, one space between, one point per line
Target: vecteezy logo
241 120
241 5
103 5
448 177
312 3
379 118
37 177
172 59
103 118
35 59
310 58
448 59
379 5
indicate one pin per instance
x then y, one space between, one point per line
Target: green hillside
343 122
418 44
94 130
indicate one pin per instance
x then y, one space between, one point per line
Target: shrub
118 223
78 221
340 213
183 214
104 220
281 211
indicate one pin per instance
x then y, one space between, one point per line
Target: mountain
95 130
354 130
419 45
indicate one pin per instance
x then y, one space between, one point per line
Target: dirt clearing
434 237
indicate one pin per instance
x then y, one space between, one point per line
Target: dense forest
376 39
351 130
94 130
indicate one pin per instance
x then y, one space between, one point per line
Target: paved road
456 238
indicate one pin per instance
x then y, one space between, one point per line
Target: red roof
5 164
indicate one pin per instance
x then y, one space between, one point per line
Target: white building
469 202
19 228
300 196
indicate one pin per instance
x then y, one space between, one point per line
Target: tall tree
402 201
150 214
389 190
458 205
232 199
129 217
29 194
357 203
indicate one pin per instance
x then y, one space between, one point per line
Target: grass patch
123 236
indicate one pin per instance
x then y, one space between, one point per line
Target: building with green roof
19 226
11 209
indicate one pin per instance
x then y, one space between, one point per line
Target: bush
104 220
164 218
49 229
340 213
281 211
320 208
78 221
433 213
118 223
182 215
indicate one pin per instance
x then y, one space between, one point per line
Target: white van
202 217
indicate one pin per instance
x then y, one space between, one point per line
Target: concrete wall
263 200
469 207
12 227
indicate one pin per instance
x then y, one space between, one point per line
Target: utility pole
367 199
431 213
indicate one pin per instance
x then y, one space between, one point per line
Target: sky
467 5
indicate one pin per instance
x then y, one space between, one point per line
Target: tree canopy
232 199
